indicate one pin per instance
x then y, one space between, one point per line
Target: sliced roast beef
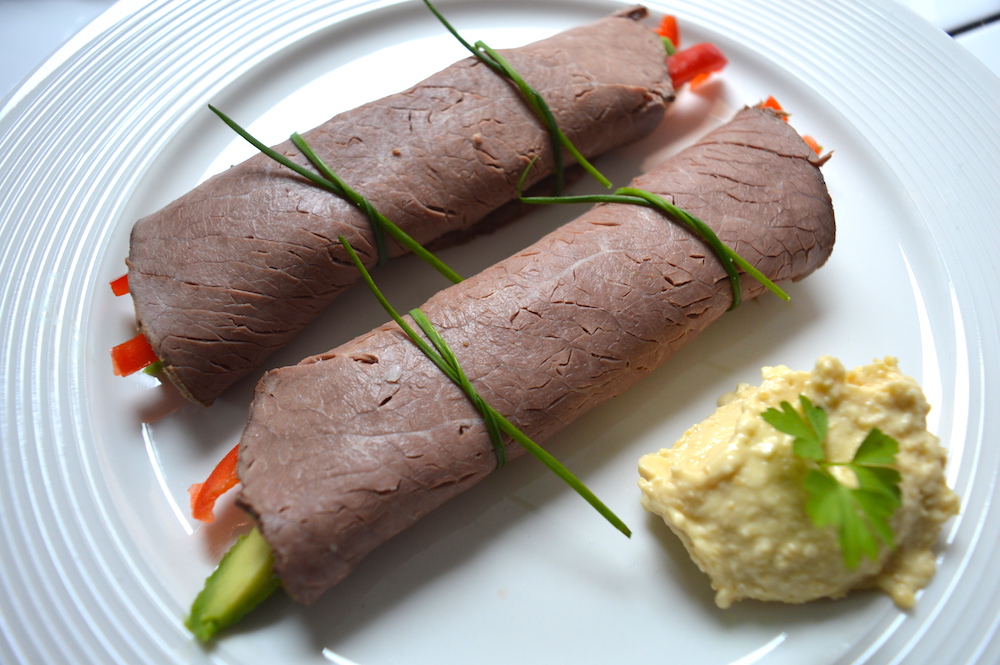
346 449
230 272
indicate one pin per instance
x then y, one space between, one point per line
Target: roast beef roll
348 448
228 273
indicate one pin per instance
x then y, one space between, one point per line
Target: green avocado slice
243 579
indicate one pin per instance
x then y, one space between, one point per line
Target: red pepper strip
131 356
120 286
668 29
222 479
772 103
685 65
811 142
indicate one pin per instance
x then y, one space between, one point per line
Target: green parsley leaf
879 511
809 432
860 515
824 504
877 449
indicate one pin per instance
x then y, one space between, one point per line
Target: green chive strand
338 187
502 423
458 376
633 196
349 195
535 101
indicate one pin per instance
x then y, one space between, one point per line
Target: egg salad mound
732 488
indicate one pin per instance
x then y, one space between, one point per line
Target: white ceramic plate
99 559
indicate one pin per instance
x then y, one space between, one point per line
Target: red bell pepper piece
131 356
120 286
698 60
222 479
772 103
811 142
668 29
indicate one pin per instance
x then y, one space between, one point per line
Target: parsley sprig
860 515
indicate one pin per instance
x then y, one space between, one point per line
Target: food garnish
811 142
670 33
442 356
329 180
774 105
729 257
222 479
119 286
497 63
695 63
131 356
135 354
860 514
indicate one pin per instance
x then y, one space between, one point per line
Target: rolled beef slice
348 448
231 271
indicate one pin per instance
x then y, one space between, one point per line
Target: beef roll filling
347 449
230 272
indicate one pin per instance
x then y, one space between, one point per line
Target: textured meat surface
351 447
230 272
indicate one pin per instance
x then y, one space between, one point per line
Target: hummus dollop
732 489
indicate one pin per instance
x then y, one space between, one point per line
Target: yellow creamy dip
731 488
